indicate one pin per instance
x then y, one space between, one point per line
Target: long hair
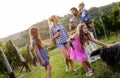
51 20
81 34
34 34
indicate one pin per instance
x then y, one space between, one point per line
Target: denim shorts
61 45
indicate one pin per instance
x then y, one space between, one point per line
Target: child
84 14
60 35
87 20
41 54
79 39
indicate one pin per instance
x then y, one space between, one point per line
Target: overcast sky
19 15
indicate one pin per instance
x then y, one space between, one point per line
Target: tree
114 18
103 20
21 58
31 55
10 71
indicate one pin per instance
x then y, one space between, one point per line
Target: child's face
81 7
85 30
56 19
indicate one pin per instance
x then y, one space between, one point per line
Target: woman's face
55 19
85 30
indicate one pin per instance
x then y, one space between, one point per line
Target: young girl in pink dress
78 53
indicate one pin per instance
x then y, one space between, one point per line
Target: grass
58 67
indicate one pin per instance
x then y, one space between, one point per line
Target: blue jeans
61 45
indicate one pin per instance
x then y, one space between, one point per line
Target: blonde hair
34 34
81 4
51 20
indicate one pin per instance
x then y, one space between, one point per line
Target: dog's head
96 52
109 55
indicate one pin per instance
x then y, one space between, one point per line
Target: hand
108 46
43 62
72 39
68 39
56 35
48 57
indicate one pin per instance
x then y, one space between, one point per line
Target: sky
19 15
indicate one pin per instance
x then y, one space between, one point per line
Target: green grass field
58 67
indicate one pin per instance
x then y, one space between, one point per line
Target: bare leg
88 64
71 64
85 66
66 57
48 71
70 61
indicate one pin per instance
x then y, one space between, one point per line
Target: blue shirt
85 16
63 33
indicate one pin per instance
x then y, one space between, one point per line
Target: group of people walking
74 47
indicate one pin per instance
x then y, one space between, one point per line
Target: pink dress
78 53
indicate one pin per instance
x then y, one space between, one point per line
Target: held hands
71 39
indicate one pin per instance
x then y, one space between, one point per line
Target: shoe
90 71
74 70
67 70
89 74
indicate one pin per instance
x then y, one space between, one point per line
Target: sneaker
90 71
67 69
89 74
74 70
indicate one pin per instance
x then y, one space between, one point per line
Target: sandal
89 74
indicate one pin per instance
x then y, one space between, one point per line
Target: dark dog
109 55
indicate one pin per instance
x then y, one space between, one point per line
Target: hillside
21 38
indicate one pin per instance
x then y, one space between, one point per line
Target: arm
56 35
72 37
99 42
43 43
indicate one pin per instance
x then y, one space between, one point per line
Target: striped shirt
63 33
